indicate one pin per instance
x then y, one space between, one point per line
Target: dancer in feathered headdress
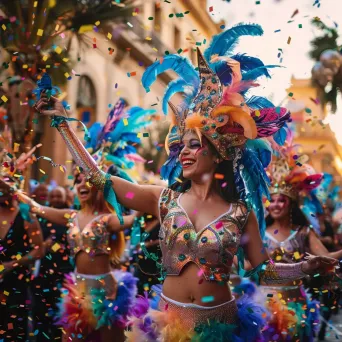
205 221
94 298
288 238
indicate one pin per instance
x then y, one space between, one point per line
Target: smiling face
279 207
85 192
198 160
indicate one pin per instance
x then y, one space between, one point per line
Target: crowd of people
222 252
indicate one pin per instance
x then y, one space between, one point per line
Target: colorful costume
294 316
216 105
92 301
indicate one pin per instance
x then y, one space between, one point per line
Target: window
177 39
86 101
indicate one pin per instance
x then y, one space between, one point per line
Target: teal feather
222 44
177 86
257 72
248 63
181 65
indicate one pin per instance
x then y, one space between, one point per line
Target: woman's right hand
55 104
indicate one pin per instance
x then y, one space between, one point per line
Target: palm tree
37 37
327 71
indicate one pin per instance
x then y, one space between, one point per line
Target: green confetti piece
167 52
171 15
187 12
308 110
146 134
257 2
150 18
290 94
207 299
179 51
300 25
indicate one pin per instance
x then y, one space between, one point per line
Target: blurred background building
155 28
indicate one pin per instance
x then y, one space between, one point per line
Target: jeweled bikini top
291 249
212 249
93 239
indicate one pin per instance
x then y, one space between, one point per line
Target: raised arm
278 273
138 197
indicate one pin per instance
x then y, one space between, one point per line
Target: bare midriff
189 287
92 265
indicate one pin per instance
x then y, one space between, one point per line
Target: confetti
288 40
56 247
40 32
130 195
207 299
109 35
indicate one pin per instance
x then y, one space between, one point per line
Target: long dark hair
298 217
225 187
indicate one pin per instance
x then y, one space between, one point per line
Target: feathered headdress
216 105
115 141
290 173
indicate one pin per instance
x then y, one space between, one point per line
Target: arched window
86 101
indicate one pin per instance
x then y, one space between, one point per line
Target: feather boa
82 313
153 325
293 319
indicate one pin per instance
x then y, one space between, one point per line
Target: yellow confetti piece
125 121
148 38
4 98
139 135
56 247
66 75
6 293
52 3
109 35
69 161
65 60
45 58
67 216
257 113
35 4
296 255
178 180
312 310
57 27
42 171
267 203
16 147
25 66
278 258
2 268
61 168
18 256
3 27
85 28
279 295
40 32
58 49
97 23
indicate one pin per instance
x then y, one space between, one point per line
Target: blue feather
222 44
248 63
94 132
280 136
223 71
181 65
177 86
259 102
263 148
257 72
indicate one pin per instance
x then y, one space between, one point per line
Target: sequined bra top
291 249
212 249
93 239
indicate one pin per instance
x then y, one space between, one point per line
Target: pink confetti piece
219 225
200 273
130 195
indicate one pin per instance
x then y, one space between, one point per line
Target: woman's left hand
318 264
